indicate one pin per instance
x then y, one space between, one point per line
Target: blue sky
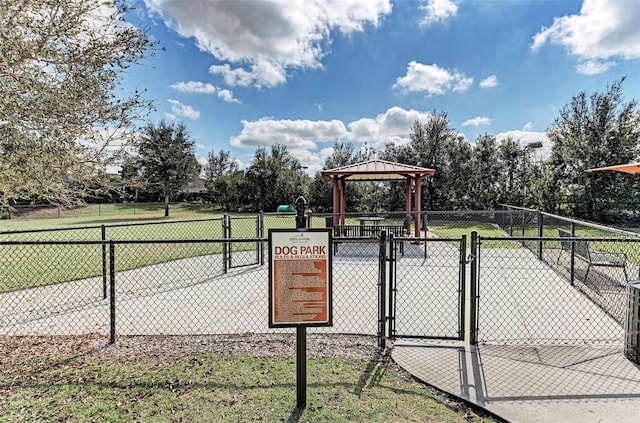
242 74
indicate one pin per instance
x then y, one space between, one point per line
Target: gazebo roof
377 170
632 168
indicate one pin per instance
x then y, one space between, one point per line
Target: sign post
300 289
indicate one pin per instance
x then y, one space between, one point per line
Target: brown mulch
141 348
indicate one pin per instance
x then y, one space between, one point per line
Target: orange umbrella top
632 168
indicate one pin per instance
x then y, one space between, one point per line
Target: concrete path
522 383
567 384
544 373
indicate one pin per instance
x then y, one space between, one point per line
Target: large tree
166 159
591 131
223 179
428 142
61 122
274 178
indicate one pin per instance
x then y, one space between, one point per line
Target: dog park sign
300 285
300 288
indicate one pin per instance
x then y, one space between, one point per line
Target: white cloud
227 96
594 67
490 82
303 136
194 87
527 126
184 110
603 29
300 134
438 11
525 138
432 79
392 126
477 121
266 39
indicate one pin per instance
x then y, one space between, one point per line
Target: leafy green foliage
166 161
60 122
594 131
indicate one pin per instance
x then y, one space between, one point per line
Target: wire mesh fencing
161 287
208 276
427 289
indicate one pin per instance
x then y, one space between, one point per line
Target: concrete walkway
531 383
532 366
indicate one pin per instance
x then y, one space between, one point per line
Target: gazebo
378 170
632 168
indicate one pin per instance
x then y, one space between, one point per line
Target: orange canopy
631 168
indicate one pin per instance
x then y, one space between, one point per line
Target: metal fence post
104 261
258 243
540 233
392 287
382 276
572 265
473 309
225 245
261 236
112 288
462 291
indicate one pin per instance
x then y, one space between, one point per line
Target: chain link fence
208 276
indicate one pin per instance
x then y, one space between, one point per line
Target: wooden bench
593 258
368 231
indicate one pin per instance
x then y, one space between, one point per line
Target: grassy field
213 388
28 266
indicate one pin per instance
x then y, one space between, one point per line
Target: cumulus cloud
477 121
602 30
303 137
594 67
525 138
196 87
184 110
259 42
527 126
295 134
489 82
437 11
432 80
391 126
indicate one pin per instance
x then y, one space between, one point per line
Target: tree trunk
166 206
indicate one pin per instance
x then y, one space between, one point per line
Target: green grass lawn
213 388
27 266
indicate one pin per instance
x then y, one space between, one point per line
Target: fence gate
427 288
248 230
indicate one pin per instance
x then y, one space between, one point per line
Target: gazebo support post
343 200
407 197
418 202
336 200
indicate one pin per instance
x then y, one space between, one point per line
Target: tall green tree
428 142
486 172
61 123
511 159
166 159
592 131
274 178
459 169
223 179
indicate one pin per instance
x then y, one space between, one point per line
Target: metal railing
119 279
